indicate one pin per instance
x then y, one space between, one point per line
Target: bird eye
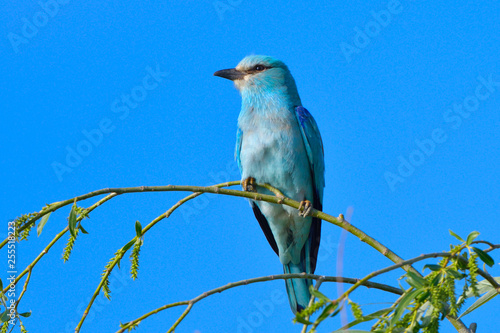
259 68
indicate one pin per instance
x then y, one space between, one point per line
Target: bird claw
305 208
249 184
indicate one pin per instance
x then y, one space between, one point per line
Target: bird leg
305 208
249 184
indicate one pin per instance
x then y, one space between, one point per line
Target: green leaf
5 316
72 221
436 279
455 274
428 310
302 320
456 236
462 265
405 301
432 267
326 312
336 312
25 314
485 257
368 317
128 245
473 235
415 280
138 229
483 287
40 226
1 285
81 228
318 294
480 301
422 311
423 296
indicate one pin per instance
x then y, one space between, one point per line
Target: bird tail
297 289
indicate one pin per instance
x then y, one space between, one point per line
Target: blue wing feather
314 147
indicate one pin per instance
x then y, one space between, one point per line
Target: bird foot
249 184
305 208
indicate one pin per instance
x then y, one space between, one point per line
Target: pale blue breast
272 151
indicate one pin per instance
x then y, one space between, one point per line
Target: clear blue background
371 108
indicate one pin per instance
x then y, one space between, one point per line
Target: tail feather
297 289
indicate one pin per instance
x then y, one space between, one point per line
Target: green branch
120 253
277 198
58 236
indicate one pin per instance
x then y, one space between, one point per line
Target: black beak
230 74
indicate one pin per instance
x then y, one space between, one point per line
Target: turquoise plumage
278 142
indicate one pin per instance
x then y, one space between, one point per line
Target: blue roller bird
278 142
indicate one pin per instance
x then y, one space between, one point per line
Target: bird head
258 74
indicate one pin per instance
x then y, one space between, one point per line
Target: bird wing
264 225
314 148
315 154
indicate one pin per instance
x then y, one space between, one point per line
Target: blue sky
115 94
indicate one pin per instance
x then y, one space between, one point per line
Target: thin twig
183 315
311 301
56 238
24 290
356 283
278 198
274 190
367 284
120 254
217 190
456 322
131 324
491 245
